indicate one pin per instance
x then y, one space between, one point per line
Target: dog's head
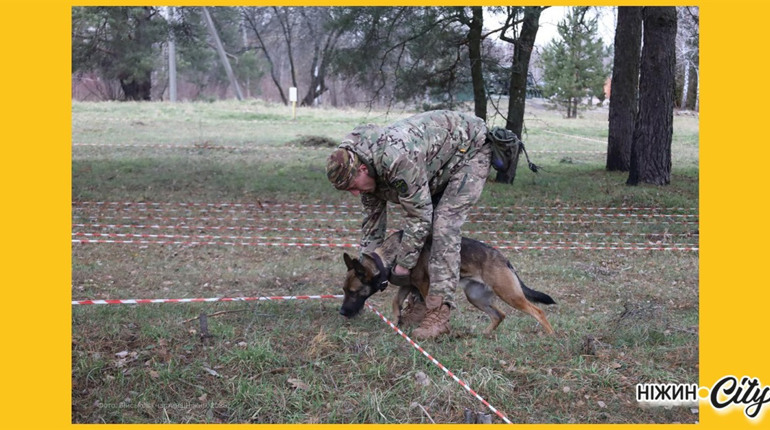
364 278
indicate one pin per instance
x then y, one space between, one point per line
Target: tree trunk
625 87
518 87
325 41
137 87
572 103
317 82
284 19
222 54
474 55
137 84
651 148
692 88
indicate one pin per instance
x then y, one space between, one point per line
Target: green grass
623 316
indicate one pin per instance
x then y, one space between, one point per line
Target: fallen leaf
298 384
212 372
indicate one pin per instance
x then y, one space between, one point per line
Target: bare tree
286 18
688 58
258 19
475 24
306 37
523 42
323 37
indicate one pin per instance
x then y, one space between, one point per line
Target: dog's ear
360 271
355 266
348 261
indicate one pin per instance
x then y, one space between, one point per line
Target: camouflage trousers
449 213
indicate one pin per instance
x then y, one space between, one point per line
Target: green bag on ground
504 142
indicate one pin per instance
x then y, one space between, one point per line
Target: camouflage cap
341 168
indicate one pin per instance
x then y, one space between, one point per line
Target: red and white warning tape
351 220
575 246
576 137
209 237
216 227
159 146
569 152
198 300
223 219
195 243
348 206
311 239
675 247
351 230
440 366
349 213
251 148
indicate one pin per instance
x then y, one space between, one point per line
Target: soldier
434 165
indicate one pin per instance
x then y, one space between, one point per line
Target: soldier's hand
400 276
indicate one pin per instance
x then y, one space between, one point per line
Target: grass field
196 200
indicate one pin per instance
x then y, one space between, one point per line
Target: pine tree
573 66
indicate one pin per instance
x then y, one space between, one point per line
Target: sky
551 17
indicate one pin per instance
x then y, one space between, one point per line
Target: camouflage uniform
434 165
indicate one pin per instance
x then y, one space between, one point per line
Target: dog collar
381 281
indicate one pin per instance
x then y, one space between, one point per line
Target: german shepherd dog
484 274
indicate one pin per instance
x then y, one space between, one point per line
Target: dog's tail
536 296
529 293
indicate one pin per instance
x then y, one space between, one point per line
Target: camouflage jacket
408 160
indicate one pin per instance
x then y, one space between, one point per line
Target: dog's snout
348 312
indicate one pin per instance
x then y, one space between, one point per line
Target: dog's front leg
398 301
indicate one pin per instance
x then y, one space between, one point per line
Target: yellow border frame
36 359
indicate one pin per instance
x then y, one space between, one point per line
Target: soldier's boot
436 320
414 311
